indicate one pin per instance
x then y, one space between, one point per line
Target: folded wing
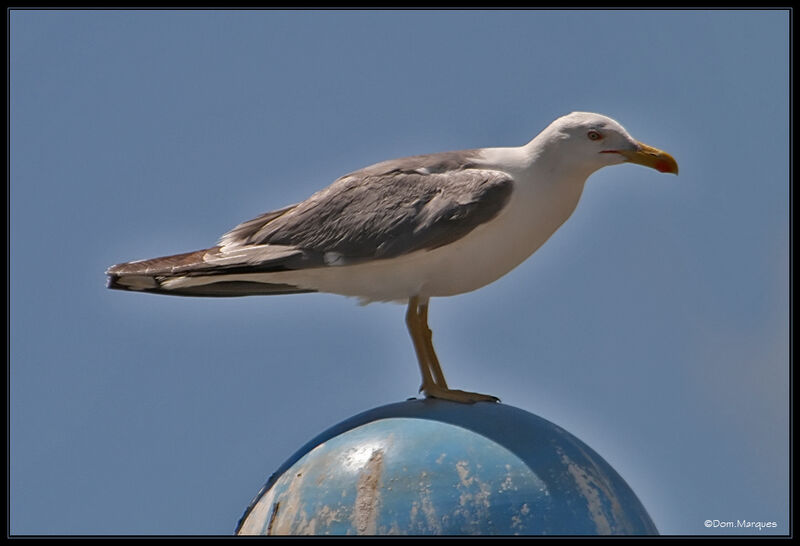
383 211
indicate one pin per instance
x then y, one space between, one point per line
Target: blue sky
654 325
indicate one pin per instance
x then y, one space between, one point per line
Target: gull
408 230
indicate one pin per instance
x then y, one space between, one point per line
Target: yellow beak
651 157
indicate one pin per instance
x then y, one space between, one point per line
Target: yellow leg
433 382
412 321
433 361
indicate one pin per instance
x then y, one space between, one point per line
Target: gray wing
383 211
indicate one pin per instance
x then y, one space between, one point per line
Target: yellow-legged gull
408 229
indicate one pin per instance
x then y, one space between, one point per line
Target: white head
585 141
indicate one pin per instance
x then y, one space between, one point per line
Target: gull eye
594 135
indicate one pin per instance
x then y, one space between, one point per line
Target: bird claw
463 397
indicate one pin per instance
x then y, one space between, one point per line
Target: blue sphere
433 467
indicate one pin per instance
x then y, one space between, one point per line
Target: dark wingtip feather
145 276
112 281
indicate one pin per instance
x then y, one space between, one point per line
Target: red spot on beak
663 166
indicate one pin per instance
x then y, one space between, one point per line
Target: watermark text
740 524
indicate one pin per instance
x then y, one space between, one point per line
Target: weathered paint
429 467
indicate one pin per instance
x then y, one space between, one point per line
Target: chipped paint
368 495
517 518
422 517
601 500
399 475
259 517
508 482
292 508
474 498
